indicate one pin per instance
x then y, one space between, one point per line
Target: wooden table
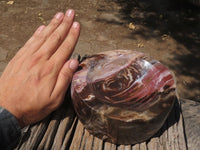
62 131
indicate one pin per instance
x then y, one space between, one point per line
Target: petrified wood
62 131
123 96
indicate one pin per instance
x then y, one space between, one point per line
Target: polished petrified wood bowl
122 96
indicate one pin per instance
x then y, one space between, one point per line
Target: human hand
35 81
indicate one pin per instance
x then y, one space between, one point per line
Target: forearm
10 130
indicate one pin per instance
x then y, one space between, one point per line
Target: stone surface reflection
123 96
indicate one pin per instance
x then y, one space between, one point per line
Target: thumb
64 78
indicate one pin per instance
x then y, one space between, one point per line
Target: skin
35 81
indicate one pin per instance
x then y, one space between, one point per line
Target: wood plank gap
84 140
24 135
170 136
50 133
77 139
143 146
35 135
89 143
182 140
64 128
69 136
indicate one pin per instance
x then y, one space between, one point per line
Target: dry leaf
131 26
39 14
42 19
164 37
140 45
10 2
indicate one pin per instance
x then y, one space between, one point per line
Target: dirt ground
168 31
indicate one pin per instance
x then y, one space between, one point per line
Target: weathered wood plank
84 140
143 146
136 147
89 142
49 135
124 147
77 139
109 146
64 131
181 130
191 116
97 144
66 142
32 138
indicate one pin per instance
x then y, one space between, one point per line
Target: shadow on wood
52 132
62 130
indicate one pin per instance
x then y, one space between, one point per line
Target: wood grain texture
191 115
62 130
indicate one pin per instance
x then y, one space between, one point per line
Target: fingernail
70 12
41 28
73 65
58 15
75 25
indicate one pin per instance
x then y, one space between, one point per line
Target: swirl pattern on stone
123 96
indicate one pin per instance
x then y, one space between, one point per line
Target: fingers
64 78
42 34
46 40
67 47
57 37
